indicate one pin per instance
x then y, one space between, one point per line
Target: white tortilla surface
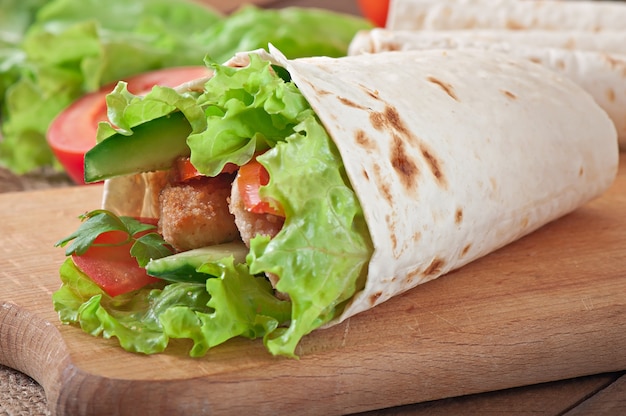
597 70
591 16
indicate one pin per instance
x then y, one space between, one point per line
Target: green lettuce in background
75 46
60 50
16 16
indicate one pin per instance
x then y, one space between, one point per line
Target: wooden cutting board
549 306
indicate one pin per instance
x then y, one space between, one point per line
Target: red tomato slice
250 178
375 10
73 131
112 267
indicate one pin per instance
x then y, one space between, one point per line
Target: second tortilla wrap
591 16
599 72
452 154
379 39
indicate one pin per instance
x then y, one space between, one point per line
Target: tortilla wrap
452 154
601 73
379 39
591 16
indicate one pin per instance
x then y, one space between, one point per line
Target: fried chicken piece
195 213
249 223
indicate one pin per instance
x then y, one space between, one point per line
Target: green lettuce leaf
131 317
248 110
321 253
233 304
242 305
297 32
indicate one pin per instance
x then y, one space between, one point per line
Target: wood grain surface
547 307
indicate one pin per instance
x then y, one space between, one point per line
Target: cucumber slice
181 267
152 146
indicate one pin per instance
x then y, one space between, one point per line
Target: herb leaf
147 244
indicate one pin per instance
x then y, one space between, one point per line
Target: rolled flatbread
590 16
379 39
599 71
451 153
454 154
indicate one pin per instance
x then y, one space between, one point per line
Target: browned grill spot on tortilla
391 225
363 140
581 171
514 25
570 44
404 166
374 297
392 117
434 165
448 88
615 63
508 94
434 267
366 175
377 120
524 222
374 94
560 64
493 182
610 95
382 185
350 103
386 192
465 250
317 90
458 216
410 276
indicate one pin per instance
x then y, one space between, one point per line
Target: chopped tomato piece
183 170
110 265
250 178
73 131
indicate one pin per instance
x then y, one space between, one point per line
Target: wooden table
598 394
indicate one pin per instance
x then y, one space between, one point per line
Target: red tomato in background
73 131
375 10
112 267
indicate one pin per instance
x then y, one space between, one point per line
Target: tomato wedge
375 10
250 178
111 266
73 131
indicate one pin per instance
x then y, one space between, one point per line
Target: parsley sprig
146 245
